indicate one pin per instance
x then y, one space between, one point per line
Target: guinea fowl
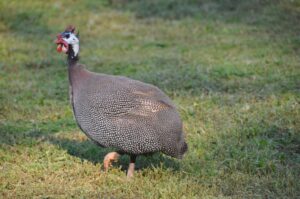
130 116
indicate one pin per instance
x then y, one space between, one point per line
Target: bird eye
67 36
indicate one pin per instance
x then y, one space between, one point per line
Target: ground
231 67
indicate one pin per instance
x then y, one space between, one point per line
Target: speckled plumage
129 115
133 117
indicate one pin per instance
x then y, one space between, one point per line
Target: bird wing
132 98
133 103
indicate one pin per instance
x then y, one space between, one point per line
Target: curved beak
62 45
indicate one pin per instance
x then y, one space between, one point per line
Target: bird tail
182 150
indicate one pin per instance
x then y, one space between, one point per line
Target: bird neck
73 55
76 71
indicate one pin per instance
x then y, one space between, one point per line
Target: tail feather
183 149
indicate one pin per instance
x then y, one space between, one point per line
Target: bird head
68 41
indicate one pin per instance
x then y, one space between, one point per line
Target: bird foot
109 158
130 171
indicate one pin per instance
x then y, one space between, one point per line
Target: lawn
231 67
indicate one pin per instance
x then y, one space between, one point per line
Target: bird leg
131 166
109 158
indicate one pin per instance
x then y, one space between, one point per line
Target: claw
109 158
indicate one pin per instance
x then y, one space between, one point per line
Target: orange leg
130 171
109 158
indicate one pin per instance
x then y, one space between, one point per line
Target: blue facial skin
65 34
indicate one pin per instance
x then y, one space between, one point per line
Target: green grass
231 67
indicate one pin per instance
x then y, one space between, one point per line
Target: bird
130 116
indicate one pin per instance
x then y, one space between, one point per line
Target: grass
231 67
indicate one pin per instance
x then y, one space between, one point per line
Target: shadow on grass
273 15
29 22
230 79
87 150
26 134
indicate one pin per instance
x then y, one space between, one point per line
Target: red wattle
59 48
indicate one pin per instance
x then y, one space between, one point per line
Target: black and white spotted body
129 115
114 111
